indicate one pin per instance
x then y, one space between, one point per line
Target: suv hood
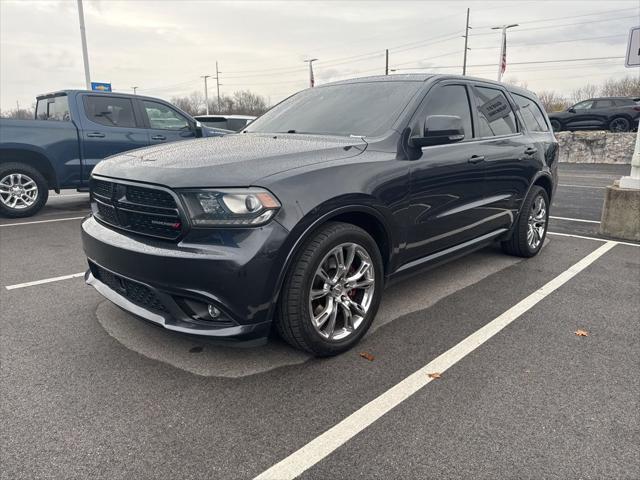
230 161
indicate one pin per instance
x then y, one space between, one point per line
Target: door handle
158 137
531 151
95 135
476 158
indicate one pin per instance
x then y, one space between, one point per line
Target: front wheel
556 126
23 190
530 230
332 291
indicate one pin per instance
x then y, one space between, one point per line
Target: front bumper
170 284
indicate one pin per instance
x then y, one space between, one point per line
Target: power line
556 26
537 62
551 19
517 44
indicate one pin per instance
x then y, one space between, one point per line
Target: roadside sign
101 87
633 48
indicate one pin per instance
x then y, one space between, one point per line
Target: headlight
250 207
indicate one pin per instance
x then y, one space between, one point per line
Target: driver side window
162 117
583 105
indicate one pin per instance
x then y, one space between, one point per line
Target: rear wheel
332 291
23 190
530 230
556 126
619 125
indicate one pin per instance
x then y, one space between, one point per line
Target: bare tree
552 101
19 114
247 103
242 102
584 93
625 87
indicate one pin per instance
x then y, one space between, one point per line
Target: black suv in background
616 114
301 220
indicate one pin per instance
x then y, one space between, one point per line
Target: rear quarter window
531 113
53 108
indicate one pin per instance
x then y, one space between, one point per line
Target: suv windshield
362 109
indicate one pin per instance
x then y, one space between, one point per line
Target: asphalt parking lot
90 392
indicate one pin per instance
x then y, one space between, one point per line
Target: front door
446 191
165 123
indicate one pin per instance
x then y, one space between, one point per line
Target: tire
34 188
520 244
556 126
619 125
294 320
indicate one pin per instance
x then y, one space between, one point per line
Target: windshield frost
361 109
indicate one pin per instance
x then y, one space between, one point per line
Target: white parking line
41 221
323 445
618 242
70 195
580 186
574 219
46 280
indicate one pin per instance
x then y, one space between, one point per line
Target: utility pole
218 83
466 42
206 92
134 90
386 62
312 80
502 59
85 53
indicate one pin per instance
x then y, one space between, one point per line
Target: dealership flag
503 60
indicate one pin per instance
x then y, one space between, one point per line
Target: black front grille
133 291
145 210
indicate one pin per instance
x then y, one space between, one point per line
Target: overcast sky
164 46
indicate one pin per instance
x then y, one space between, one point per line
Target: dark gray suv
301 220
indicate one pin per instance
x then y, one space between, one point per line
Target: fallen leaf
367 356
582 333
435 375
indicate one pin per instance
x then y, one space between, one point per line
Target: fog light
213 311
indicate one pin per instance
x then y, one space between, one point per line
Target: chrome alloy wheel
341 291
537 222
18 191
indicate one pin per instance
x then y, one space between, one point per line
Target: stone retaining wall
596 147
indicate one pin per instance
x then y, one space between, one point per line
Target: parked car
233 123
616 114
331 195
73 130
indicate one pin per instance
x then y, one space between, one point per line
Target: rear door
511 155
165 123
602 111
446 186
110 126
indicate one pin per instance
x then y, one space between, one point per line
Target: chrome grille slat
132 208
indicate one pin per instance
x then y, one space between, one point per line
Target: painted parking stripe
618 242
574 219
46 280
580 186
41 221
326 443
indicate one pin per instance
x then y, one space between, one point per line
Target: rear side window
54 108
604 104
620 102
495 115
164 118
110 111
531 114
450 100
236 123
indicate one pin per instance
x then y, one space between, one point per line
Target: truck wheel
23 190
332 291
530 230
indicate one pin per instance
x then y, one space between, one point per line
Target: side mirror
440 130
197 129
571 110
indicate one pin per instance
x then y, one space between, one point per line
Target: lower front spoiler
238 335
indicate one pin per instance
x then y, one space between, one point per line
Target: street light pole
134 90
312 80
206 92
85 53
218 84
502 59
